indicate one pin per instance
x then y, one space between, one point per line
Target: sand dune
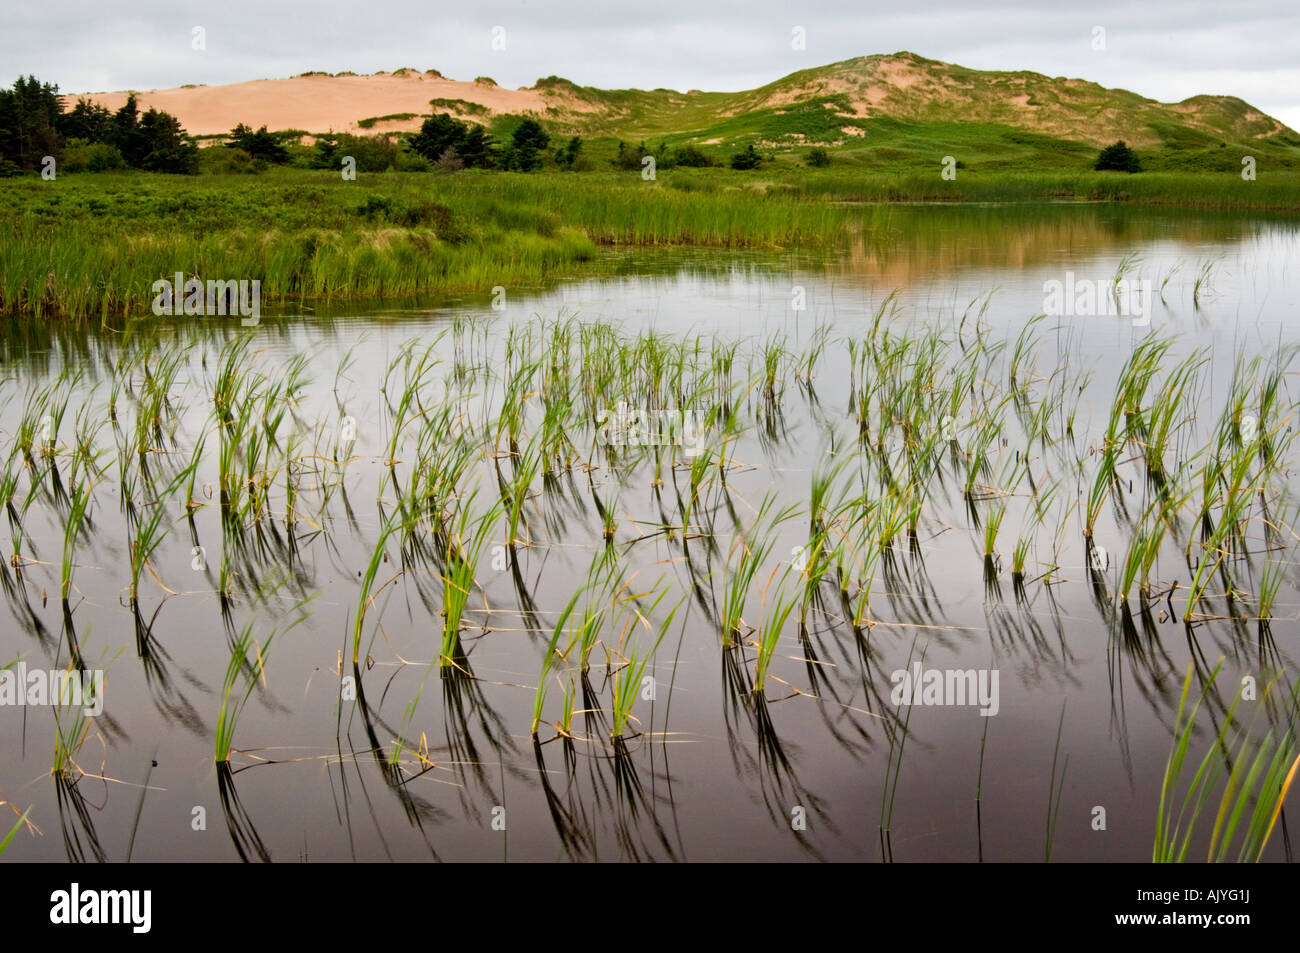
320 103
902 85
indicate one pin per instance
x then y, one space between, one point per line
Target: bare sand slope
320 103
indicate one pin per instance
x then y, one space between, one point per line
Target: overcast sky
1164 49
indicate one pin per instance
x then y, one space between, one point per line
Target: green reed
775 610
22 819
73 529
366 596
464 547
1260 774
247 659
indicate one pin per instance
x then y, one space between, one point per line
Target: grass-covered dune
91 246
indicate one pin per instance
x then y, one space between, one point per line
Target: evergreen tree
86 120
476 150
167 147
749 159
1118 158
29 120
260 144
438 134
566 154
124 133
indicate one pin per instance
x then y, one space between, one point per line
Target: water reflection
969 550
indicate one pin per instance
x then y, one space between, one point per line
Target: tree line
88 137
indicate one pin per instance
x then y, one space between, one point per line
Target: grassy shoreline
90 246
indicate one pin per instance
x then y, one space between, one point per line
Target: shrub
691 157
408 161
524 154
567 155
224 160
101 157
372 153
376 207
260 144
412 213
442 132
748 159
462 106
449 161
1118 158
391 117
629 158
83 156
819 158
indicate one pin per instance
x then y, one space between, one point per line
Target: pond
725 508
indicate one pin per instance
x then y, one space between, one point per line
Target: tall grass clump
1260 773
464 547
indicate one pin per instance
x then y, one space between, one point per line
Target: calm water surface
711 775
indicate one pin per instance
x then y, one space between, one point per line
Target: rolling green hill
832 104
897 108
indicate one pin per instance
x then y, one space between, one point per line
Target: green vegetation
746 159
372 121
1261 771
92 246
259 145
34 126
846 104
247 664
483 441
462 106
4 844
442 137
885 113
1118 158
486 430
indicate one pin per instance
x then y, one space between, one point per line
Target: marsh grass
627 684
73 531
992 525
247 661
1144 548
366 596
306 240
776 608
1271 579
550 659
1260 772
1019 556
1204 282
464 547
4 844
1168 466
71 729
